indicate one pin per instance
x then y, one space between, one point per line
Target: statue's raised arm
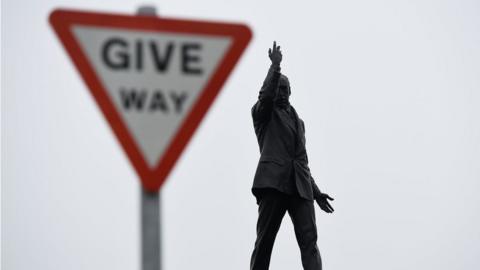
262 109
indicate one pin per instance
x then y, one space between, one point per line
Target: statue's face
283 91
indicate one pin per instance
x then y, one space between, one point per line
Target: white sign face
153 78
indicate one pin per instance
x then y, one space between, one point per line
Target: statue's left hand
322 201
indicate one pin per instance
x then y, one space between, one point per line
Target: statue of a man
283 181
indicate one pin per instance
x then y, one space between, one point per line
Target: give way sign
153 78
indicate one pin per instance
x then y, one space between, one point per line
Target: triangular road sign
153 78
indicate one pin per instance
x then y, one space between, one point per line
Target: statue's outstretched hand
275 54
322 201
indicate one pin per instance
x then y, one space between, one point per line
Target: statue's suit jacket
282 145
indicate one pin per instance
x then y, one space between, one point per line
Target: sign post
154 79
151 230
150 208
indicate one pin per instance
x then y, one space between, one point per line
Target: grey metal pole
150 204
150 230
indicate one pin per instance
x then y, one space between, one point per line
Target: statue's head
284 92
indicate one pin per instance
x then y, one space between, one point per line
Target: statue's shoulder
298 117
296 113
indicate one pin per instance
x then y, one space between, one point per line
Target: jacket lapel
297 120
286 119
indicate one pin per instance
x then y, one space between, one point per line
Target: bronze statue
283 181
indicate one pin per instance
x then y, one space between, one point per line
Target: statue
282 180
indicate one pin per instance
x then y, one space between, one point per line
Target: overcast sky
390 95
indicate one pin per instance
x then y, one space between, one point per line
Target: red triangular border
152 179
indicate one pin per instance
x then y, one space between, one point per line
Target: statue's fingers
274 45
330 207
269 52
325 208
330 198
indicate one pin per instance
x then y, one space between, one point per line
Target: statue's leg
302 213
271 209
